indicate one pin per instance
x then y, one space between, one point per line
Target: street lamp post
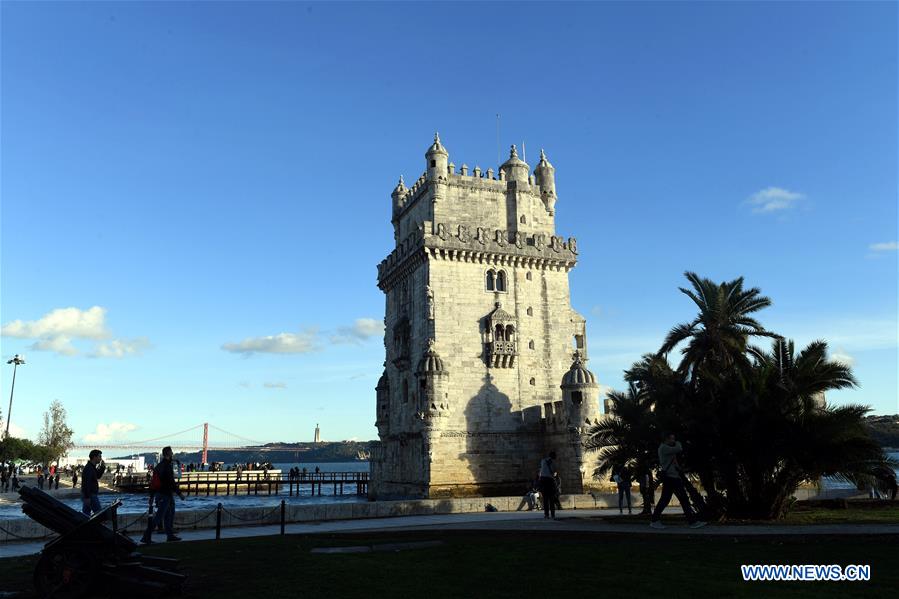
15 362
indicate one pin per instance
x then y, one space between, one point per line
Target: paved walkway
592 521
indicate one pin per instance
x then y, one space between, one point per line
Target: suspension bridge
200 442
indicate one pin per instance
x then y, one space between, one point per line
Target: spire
400 188
514 152
437 147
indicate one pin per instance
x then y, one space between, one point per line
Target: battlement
483 245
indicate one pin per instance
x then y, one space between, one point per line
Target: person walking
74 477
621 475
669 449
90 482
548 485
165 496
647 491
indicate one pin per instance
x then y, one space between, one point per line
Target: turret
399 196
515 169
437 158
546 179
579 393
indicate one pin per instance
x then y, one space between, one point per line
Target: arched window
523 220
510 333
533 381
531 344
491 276
501 280
499 334
530 311
528 275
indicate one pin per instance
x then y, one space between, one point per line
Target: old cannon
89 557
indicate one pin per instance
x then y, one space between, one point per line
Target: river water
136 503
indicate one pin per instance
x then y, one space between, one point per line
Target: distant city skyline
195 195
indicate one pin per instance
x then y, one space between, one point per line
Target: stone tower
486 359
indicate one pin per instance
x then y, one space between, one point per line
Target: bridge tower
205 442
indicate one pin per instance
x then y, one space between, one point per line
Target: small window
533 381
530 311
531 344
490 280
499 334
528 276
501 280
510 333
433 163
579 342
523 220
577 397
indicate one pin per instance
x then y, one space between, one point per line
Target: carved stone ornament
481 235
464 235
501 238
430 294
519 239
539 241
441 231
556 243
572 245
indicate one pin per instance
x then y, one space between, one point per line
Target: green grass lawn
514 564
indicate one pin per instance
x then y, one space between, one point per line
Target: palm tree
718 336
778 437
627 435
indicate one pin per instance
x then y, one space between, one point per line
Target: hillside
325 452
884 429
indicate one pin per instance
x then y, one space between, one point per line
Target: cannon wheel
66 573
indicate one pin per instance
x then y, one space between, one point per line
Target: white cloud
773 199
244 384
275 385
119 348
309 340
56 330
887 246
68 322
282 343
361 330
841 356
113 431
60 344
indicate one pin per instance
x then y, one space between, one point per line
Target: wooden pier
254 482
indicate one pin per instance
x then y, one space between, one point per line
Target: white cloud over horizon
56 330
114 431
773 199
361 330
277 385
120 348
303 342
308 340
886 246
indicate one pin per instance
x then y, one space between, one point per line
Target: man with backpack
548 485
164 479
672 484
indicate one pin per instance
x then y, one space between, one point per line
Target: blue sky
195 196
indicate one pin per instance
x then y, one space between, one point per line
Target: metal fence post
283 510
218 522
